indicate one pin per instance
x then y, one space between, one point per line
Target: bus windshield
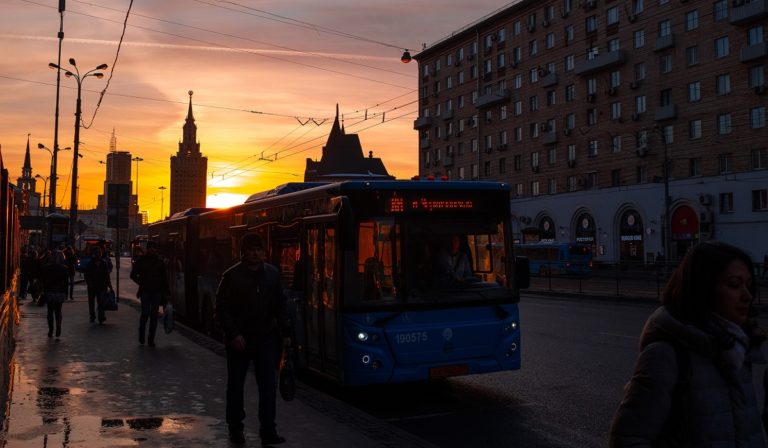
420 260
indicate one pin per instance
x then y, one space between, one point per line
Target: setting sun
224 200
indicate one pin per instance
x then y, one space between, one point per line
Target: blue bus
557 258
360 263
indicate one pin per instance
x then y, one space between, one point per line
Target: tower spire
189 113
113 142
27 164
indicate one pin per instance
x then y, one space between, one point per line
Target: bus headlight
512 326
362 336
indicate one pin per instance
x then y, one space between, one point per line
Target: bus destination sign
402 205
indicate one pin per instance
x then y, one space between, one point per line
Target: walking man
150 274
253 312
98 282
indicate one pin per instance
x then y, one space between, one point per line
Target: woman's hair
690 292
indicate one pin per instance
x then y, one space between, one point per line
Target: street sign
117 206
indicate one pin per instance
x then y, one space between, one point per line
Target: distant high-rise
118 172
188 169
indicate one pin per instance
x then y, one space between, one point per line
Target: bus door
322 298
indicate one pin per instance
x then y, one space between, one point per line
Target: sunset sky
258 69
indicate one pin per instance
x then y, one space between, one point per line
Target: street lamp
667 199
136 159
52 205
52 195
162 192
45 186
79 78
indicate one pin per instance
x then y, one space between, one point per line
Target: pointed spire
27 163
189 113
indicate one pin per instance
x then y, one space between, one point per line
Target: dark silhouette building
188 169
26 181
343 159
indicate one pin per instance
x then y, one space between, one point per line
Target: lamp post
79 78
136 159
52 194
52 205
45 186
162 192
667 201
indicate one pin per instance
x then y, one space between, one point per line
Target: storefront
631 246
685 230
547 232
586 232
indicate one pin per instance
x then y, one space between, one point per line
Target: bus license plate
446 371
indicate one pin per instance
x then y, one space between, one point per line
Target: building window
502 165
616 144
592 148
550 40
759 200
616 177
722 48
641 174
614 45
535 160
616 110
473 144
569 33
518 108
759 159
720 10
637 6
665 63
552 156
570 92
694 91
535 188
551 99
518 162
640 71
571 183
757 117
503 112
591 24
571 153
552 186
755 35
461 77
592 180
461 173
665 28
615 78
502 34
460 148
665 97
612 16
639 38
534 75
533 103
592 53
723 84
592 116
518 134
517 28
694 129
533 47
726 202
640 104
724 124
487 168
692 20
570 121
475 174
473 72
694 166
591 86
724 162
460 101
517 81
692 55
570 62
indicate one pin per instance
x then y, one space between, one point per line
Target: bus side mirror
522 273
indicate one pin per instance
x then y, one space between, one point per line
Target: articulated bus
557 258
359 262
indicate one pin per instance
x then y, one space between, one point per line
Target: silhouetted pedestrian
98 283
253 312
71 261
54 276
29 268
150 274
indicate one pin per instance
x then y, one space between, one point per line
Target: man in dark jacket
150 274
253 312
98 282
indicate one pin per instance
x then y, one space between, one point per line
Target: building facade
580 106
188 169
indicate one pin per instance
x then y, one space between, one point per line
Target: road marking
617 335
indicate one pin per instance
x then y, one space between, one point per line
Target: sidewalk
96 387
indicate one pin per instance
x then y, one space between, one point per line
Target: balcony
754 10
601 62
422 122
664 42
492 99
549 79
549 138
424 143
447 114
752 52
665 112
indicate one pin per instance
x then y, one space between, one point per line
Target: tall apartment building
188 169
578 104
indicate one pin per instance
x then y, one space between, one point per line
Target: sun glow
224 200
